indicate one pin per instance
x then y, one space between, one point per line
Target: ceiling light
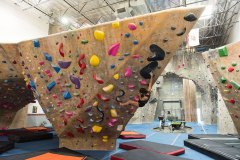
64 20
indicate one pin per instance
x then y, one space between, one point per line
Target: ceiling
215 24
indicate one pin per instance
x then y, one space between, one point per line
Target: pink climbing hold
131 86
54 96
136 98
113 50
128 72
135 56
69 114
41 63
143 82
112 122
132 26
47 71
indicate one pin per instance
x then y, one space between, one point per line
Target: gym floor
165 138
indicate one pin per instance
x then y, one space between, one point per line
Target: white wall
18 25
235 32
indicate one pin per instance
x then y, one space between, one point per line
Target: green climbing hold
223 80
70 56
223 67
68 85
234 64
222 51
235 84
84 41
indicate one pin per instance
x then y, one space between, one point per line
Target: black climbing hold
173 28
4 62
159 53
182 32
165 40
145 71
121 94
190 17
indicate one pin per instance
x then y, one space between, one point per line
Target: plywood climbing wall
13 92
79 77
190 106
224 64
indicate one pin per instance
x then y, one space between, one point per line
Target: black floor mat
213 136
29 136
5 146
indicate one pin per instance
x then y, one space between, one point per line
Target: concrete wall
18 25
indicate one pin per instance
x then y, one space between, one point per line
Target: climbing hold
132 26
61 49
80 103
112 122
190 17
115 24
232 100
67 95
234 64
135 56
226 91
229 86
113 50
222 51
108 88
32 84
103 98
140 23
182 32
223 67
98 79
230 69
75 81
56 68
94 61
112 66
76 94
128 72
159 53
96 129
116 76
55 96
99 35
36 43
235 84
69 114
105 139
41 63
48 57
120 58
143 82
113 113
131 86
223 80
64 64
95 104
126 54
84 41
51 85
121 94
173 28
145 71
135 42
127 35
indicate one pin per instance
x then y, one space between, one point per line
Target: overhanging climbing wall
224 64
13 92
81 76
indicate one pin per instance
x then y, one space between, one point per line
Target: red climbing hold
229 86
101 97
230 69
80 120
61 49
81 102
232 100
98 79
81 64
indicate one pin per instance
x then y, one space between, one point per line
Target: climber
144 95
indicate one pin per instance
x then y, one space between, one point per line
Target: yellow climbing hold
115 24
94 61
99 35
95 104
108 88
226 91
113 113
105 138
26 79
116 76
96 129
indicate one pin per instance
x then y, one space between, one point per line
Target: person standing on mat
144 96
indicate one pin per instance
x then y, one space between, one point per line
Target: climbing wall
14 94
224 64
79 77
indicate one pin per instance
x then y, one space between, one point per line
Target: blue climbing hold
127 35
112 66
140 23
32 84
51 85
67 95
56 68
135 42
48 57
36 43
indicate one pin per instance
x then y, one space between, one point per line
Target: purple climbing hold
76 81
88 109
64 64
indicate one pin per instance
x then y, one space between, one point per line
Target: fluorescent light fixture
207 13
64 20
